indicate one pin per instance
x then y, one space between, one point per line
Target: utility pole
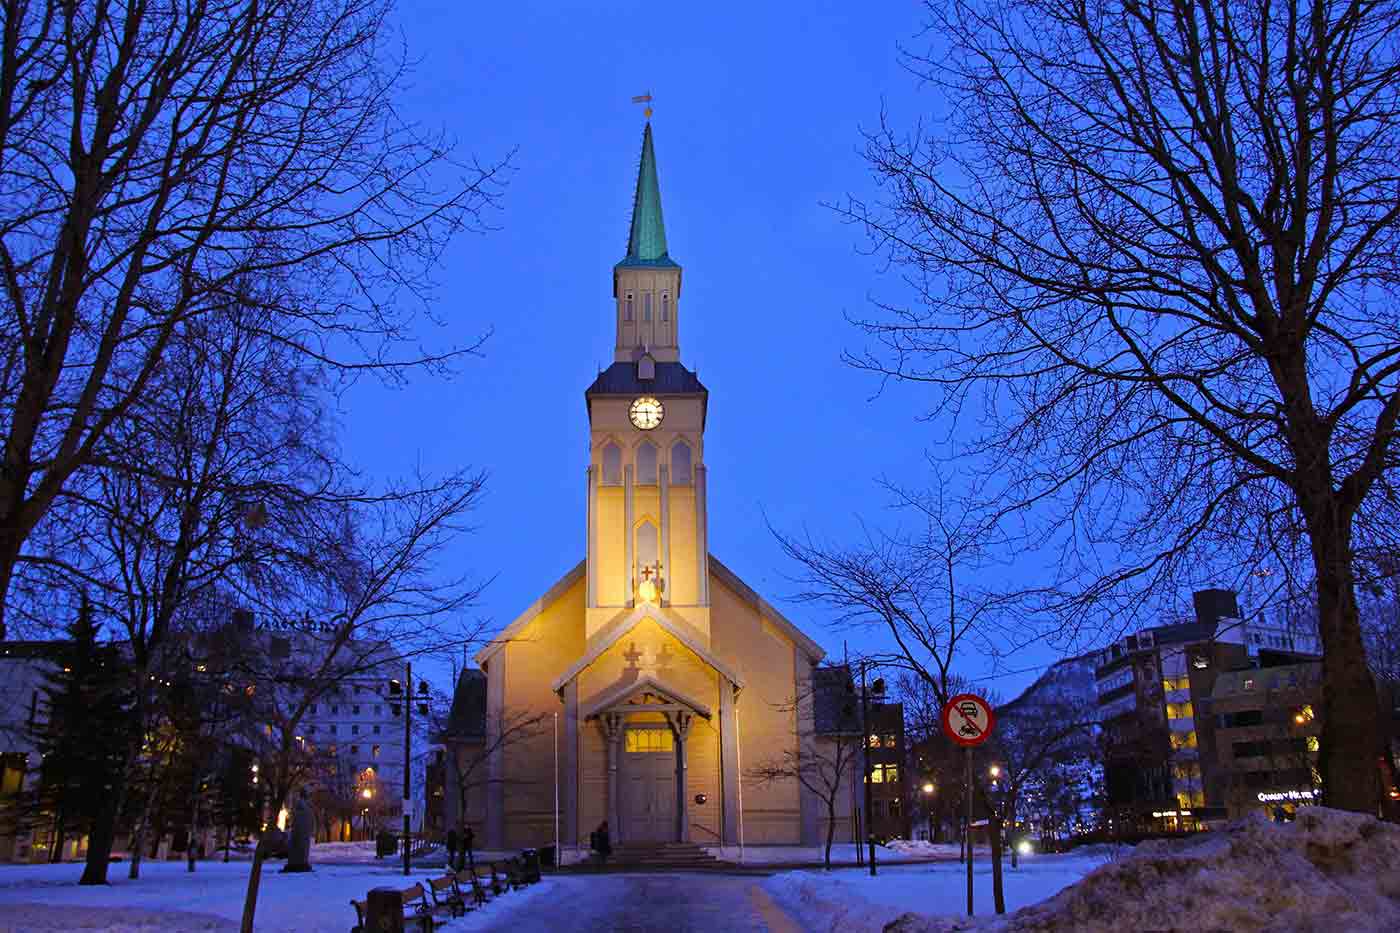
868 767
407 748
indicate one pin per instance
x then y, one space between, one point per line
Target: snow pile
919 848
1329 870
851 901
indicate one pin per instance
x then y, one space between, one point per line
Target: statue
303 827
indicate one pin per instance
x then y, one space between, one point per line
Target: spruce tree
84 736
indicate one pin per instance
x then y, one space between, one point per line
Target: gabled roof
625 621
730 579
644 684
525 618
646 240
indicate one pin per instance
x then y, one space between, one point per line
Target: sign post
968 721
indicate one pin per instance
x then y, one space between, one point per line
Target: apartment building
1154 699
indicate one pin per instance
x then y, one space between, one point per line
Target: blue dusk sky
759 109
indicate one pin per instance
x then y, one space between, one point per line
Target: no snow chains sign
968 720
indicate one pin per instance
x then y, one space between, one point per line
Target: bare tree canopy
1155 247
157 158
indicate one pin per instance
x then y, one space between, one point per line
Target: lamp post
408 703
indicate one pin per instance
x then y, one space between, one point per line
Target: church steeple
646 242
647 282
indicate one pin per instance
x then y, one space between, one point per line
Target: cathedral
645 686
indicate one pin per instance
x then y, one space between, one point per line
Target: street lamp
994 771
928 787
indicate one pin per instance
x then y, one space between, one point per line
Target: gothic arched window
612 465
646 464
646 306
665 306
647 547
680 463
627 307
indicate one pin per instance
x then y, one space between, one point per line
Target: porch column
681 723
729 760
612 730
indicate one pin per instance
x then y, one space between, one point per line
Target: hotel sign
1282 795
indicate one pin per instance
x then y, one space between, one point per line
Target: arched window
646 545
646 464
665 306
680 463
627 307
646 306
612 465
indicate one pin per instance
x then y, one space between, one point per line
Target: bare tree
155 159
1155 251
1032 735
917 587
470 755
828 755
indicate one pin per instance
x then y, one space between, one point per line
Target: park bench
414 902
515 874
467 877
486 874
447 896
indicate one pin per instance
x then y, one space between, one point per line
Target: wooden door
649 794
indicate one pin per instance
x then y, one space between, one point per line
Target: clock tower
646 472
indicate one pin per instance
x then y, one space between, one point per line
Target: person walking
452 849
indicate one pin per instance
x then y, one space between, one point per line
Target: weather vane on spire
644 99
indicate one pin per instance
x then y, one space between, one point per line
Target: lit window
1180 711
648 740
1184 739
1312 743
1176 683
627 307
680 463
612 465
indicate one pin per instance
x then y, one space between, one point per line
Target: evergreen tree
84 734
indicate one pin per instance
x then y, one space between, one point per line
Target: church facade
649 685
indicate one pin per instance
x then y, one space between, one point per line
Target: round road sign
968 720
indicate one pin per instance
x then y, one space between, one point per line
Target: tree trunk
99 853
994 833
1350 739
830 830
56 849
1011 818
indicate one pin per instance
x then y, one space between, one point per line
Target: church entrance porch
646 727
648 807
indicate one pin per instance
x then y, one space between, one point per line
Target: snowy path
638 903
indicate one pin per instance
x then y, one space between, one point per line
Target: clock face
646 412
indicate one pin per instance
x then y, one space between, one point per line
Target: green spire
646 243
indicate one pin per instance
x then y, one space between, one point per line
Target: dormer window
646 308
665 307
627 307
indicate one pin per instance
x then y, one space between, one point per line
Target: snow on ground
42 898
842 853
851 901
